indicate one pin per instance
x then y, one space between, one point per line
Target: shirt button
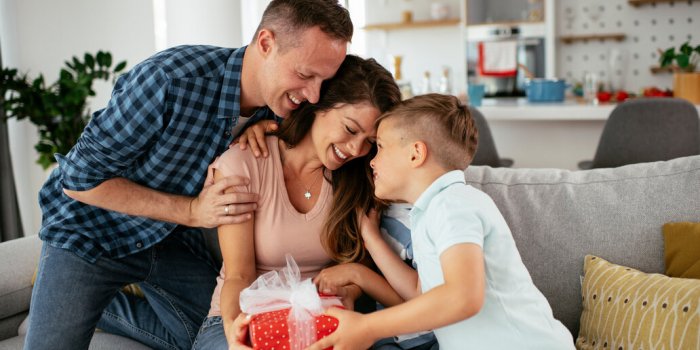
139 244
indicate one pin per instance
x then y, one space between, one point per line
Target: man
123 205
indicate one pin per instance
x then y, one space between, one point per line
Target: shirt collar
230 100
447 179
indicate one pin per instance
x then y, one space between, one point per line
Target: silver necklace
307 192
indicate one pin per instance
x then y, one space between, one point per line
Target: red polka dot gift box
287 312
271 330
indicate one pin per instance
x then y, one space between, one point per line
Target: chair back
486 153
648 130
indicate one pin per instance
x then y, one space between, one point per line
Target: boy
471 286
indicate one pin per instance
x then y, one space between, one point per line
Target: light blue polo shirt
515 315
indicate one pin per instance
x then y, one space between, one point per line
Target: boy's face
295 75
392 164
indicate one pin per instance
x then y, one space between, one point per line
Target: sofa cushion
559 216
19 259
100 341
682 249
627 309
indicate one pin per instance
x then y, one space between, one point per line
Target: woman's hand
254 136
331 280
237 334
348 294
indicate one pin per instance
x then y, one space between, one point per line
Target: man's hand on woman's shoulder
254 137
217 204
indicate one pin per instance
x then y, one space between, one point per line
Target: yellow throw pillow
624 308
682 249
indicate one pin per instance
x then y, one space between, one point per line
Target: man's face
295 75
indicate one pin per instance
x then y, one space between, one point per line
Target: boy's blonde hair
442 122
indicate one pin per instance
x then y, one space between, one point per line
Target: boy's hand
350 335
331 279
369 225
254 136
239 333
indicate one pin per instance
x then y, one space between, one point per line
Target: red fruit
621 96
653 92
603 96
668 93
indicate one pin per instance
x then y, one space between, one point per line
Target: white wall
39 35
209 22
424 49
251 13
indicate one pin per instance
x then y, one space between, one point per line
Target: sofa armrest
18 260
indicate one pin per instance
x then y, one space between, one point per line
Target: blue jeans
211 335
72 296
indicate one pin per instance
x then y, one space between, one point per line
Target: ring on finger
226 209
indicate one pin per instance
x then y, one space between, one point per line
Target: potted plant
686 80
60 110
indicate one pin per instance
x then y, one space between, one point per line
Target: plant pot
687 86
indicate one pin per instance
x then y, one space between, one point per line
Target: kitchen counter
520 109
546 135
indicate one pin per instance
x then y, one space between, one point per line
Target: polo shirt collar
447 179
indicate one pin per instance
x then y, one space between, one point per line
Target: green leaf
683 60
89 60
65 75
686 49
108 59
667 57
101 58
122 65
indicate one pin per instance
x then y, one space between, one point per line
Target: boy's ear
264 41
419 153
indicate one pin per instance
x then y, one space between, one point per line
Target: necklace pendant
307 195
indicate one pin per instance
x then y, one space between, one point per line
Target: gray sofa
557 217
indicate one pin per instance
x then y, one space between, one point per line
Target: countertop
520 109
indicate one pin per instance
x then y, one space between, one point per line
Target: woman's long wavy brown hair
357 81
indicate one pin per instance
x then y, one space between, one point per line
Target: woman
312 187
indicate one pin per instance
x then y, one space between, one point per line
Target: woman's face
344 133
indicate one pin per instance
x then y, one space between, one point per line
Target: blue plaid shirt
167 120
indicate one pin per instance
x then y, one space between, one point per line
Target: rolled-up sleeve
120 134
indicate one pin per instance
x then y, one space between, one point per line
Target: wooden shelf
505 23
637 3
412 24
569 39
660 70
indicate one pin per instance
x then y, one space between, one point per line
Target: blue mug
475 92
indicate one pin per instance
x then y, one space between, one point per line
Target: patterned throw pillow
627 309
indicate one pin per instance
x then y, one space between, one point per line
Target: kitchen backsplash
623 63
